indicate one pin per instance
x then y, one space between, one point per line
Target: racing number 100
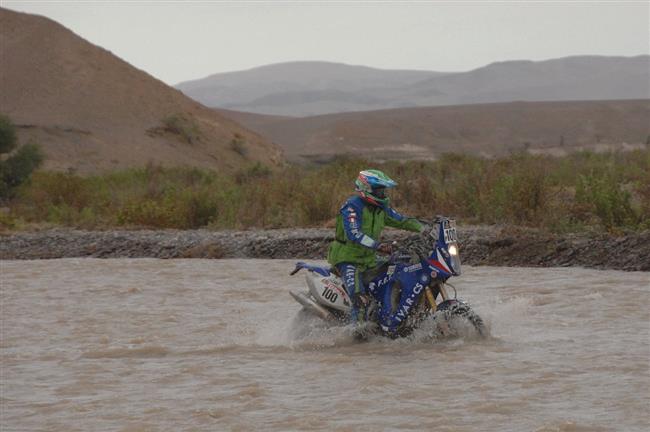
330 295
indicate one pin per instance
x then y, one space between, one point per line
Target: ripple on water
151 351
211 345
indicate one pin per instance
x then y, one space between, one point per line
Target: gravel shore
482 245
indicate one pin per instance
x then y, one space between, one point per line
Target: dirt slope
92 111
489 129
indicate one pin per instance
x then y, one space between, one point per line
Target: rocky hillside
91 111
313 88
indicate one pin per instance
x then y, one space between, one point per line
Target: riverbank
480 245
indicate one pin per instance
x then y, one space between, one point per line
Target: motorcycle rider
358 228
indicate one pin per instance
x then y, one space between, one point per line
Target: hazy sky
182 40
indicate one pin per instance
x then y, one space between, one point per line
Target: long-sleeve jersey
358 229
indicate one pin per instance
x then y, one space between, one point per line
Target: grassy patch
581 191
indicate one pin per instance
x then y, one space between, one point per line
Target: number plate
450 232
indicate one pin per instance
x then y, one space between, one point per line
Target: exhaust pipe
312 306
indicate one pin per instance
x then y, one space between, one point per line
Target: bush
251 173
7 222
603 197
238 145
182 126
17 168
7 135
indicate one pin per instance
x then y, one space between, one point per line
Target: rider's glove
385 248
428 231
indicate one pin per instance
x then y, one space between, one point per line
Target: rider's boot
358 318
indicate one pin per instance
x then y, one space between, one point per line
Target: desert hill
91 111
313 88
484 129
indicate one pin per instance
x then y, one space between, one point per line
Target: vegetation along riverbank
581 192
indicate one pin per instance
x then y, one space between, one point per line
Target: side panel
380 282
328 291
412 280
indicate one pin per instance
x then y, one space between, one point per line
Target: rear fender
312 268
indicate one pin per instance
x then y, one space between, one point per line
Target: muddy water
172 345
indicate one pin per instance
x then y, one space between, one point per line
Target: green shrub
251 173
7 221
603 197
183 126
238 145
15 169
8 139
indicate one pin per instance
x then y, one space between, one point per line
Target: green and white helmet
371 185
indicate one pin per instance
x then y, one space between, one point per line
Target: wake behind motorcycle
405 290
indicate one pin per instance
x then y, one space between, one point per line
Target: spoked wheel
455 315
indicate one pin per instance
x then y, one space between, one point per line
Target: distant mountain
570 78
91 111
312 88
301 88
480 129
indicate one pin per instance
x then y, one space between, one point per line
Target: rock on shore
479 246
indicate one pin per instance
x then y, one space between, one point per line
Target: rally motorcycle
407 289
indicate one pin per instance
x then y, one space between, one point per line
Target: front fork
431 297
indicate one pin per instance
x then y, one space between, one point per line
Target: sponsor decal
372 285
414 267
408 303
334 287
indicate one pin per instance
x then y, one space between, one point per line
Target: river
184 345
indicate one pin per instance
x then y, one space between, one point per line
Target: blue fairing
441 262
412 279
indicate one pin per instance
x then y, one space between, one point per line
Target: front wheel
456 315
